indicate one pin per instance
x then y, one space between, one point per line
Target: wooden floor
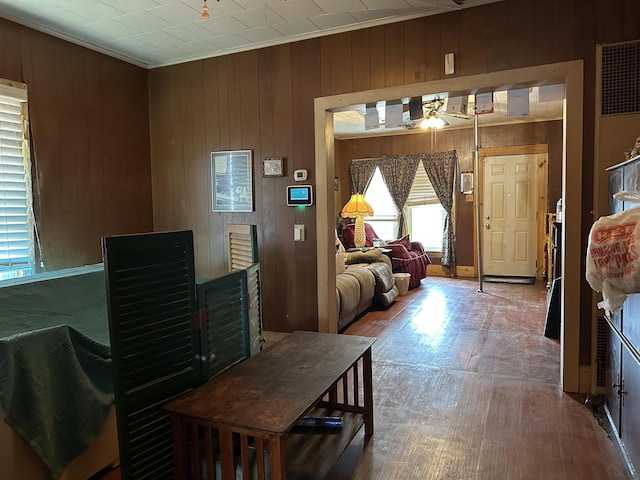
467 387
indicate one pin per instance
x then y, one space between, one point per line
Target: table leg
227 467
278 457
368 394
180 455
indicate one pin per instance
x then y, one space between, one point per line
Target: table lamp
357 207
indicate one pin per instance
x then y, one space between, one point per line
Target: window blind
243 246
16 234
422 192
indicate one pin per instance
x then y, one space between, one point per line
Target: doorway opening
569 73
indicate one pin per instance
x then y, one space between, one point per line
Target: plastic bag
613 266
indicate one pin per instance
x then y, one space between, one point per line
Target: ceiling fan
432 113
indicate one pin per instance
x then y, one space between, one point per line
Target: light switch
298 233
449 64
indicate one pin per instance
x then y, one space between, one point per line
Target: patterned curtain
361 173
398 172
441 170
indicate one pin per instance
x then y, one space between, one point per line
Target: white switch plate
449 64
298 233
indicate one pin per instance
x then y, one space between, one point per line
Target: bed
56 381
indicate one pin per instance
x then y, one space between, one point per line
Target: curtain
398 172
441 169
361 173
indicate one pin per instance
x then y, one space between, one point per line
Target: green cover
55 369
56 381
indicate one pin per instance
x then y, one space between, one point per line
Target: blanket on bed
56 380
56 389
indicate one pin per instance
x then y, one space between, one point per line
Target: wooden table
245 418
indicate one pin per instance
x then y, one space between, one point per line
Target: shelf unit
622 356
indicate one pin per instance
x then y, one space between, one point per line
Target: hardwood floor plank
494 408
466 387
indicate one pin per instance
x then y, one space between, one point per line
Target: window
423 212
17 252
385 213
426 224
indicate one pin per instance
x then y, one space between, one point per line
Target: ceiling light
205 10
432 121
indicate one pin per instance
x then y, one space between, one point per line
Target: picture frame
273 167
232 181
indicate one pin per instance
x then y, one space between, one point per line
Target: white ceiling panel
296 27
333 20
92 12
296 9
130 6
229 42
157 39
198 48
259 35
189 33
335 6
177 13
380 4
144 21
372 15
113 29
130 29
258 17
223 25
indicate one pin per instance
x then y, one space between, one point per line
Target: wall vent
620 78
601 351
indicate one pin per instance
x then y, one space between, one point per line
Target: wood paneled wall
461 140
90 132
263 101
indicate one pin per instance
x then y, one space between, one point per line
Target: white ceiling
544 103
153 33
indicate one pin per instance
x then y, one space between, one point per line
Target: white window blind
241 240
422 192
16 227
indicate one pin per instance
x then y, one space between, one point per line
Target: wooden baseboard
439 271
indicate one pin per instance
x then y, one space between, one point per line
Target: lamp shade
356 207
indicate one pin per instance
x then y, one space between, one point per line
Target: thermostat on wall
300 175
299 195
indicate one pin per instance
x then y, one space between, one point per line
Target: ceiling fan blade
464 116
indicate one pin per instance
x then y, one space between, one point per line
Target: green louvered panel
254 290
225 339
151 298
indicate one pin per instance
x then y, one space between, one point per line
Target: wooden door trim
571 73
541 150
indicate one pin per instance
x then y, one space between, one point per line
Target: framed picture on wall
273 167
232 181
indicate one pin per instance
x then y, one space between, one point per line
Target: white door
509 215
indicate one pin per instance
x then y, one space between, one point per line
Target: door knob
487 226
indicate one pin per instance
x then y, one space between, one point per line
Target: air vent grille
601 351
620 78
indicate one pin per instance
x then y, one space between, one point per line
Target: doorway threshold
508 279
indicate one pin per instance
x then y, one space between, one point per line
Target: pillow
368 256
402 241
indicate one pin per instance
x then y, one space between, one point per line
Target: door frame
571 74
542 173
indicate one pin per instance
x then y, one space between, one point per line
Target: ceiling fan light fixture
432 121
